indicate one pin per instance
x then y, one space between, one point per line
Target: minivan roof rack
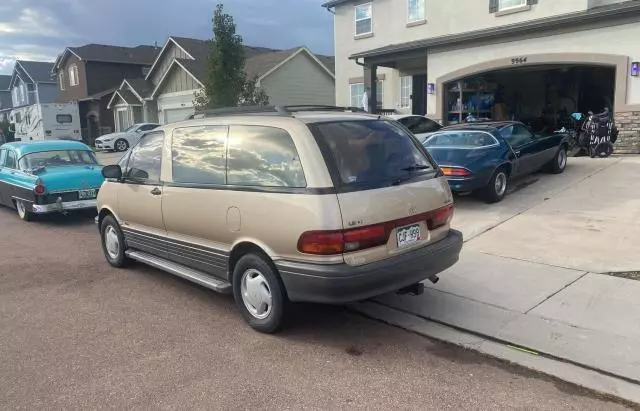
274 110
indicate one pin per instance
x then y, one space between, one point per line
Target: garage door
177 114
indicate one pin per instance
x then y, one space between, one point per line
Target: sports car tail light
344 241
455 171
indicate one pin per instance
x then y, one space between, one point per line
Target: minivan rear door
385 180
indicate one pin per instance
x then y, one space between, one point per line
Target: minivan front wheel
113 245
259 293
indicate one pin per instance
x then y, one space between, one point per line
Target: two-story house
167 93
5 97
31 83
542 58
89 75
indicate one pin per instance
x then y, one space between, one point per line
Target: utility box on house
52 121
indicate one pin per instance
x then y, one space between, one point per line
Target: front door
140 196
419 95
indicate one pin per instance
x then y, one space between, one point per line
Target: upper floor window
61 80
364 20
21 93
73 75
510 4
417 11
406 89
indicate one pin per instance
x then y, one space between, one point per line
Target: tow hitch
414 289
418 288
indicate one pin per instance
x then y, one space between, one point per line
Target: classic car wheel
259 293
497 187
121 145
23 213
559 162
113 245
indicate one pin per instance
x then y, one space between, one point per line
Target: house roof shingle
143 55
39 71
259 60
128 97
5 80
141 86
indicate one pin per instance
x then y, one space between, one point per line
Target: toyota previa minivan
281 205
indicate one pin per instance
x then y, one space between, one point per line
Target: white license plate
408 235
87 194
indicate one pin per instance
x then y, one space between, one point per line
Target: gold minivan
281 205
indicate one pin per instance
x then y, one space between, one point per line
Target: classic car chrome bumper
64 206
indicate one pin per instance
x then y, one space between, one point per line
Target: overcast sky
41 29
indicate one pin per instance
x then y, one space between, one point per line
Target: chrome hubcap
562 159
111 242
501 183
22 211
256 294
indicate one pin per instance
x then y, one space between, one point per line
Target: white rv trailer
51 121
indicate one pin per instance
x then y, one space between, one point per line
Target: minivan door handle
156 191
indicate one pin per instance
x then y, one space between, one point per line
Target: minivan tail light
344 241
321 242
440 217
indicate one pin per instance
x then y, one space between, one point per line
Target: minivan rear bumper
342 283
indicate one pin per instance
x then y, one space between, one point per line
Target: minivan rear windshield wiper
416 167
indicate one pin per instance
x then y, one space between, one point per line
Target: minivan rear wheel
259 293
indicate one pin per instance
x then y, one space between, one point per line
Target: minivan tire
253 274
109 232
491 193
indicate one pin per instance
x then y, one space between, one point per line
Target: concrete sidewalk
531 279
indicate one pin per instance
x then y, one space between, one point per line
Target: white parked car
421 126
121 141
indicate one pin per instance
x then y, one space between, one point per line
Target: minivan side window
199 154
145 160
263 157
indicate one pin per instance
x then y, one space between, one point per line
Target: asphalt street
78 334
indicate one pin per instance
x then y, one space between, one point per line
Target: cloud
41 29
34 22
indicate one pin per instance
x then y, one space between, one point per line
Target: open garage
542 96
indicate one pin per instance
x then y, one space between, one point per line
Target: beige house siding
171 52
178 80
614 40
443 18
300 81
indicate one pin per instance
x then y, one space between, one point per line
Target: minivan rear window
369 154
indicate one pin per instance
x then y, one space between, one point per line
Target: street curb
574 374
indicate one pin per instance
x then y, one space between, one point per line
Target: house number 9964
518 60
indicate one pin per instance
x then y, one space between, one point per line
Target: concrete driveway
546 270
583 219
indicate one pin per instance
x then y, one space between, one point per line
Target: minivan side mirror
112 172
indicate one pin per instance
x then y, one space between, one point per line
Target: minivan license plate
408 235
87 194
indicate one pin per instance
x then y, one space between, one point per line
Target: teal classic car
39 177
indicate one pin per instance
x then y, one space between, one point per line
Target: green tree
225 84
